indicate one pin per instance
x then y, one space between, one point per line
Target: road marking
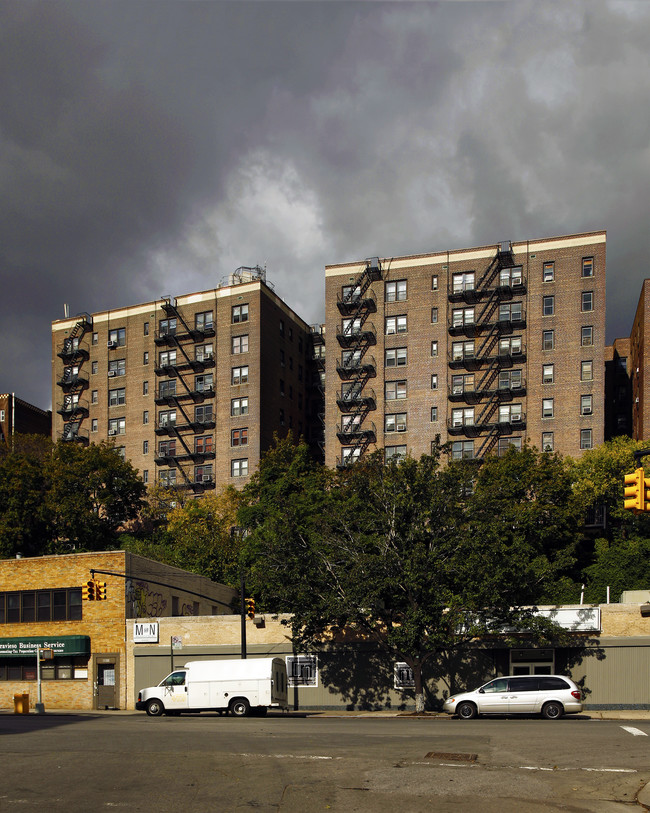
636 732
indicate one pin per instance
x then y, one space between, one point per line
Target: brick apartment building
19 417
192 388
484 347
639 366
41 604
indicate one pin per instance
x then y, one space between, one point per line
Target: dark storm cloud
149 148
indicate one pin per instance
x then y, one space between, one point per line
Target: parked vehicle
548 695
240 687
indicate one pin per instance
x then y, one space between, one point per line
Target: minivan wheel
552 711
155 708
240 707
466 711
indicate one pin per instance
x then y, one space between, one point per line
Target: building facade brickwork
19 417
483 347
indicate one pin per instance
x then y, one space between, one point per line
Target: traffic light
250 607
88 590
100 591
635 491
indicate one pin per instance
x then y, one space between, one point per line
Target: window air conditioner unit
111 344
401 429
111 373
207 478
112 431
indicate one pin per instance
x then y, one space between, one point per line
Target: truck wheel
155 708
240 707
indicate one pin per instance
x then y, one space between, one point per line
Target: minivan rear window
550 684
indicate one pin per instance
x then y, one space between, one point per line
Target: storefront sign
145 632
60 645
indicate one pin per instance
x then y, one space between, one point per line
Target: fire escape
317 390
180 365
355 369
484 370
73 408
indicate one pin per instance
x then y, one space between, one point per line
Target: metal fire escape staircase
73 409
488 360
355 337
180 338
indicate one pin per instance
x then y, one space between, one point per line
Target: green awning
59 644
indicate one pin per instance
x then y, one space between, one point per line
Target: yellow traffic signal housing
635 491
88 590
250 607
100 591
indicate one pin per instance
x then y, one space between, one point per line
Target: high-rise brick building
484 347
192 388
19 417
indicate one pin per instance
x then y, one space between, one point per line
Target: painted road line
636 732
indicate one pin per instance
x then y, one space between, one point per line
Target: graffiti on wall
144 602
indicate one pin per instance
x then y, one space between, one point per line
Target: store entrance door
106 681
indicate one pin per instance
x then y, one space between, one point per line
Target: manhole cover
452 757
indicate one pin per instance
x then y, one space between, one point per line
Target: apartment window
395 390
146 328
94 425
203 321
548 305
548 374
239 314
204 352
586 370
462 350
145 476
511 313
167 389
204 414
434 316
239 437
145 447
94 397
434 282
117 397
548 443
203 473
95 338
281 417
281 382
290 333
117 426
394 453
145 358
395 422
395 291
351 293
145 388
116 367
586 439
434 382
434 348
548 272
145 416
510 413
462 417
239 375
168 358
167 478
396 357
281 358
167 418
167 327
167 448
94 367
587 301
462 316
204 383
586 336
281 327
117 337
239 468
511 346
462 450
462 383
586 404
351 327
505 444
239 406
587 266
395 324
463 282
547 408
511 277
239 344
434 414
548 340
510 379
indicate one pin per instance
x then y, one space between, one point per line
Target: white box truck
240 687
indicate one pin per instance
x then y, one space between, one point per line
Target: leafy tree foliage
412 556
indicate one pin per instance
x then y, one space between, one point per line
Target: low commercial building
41 606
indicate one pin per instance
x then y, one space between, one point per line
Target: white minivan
548 695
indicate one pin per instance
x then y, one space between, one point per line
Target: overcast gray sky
150 148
